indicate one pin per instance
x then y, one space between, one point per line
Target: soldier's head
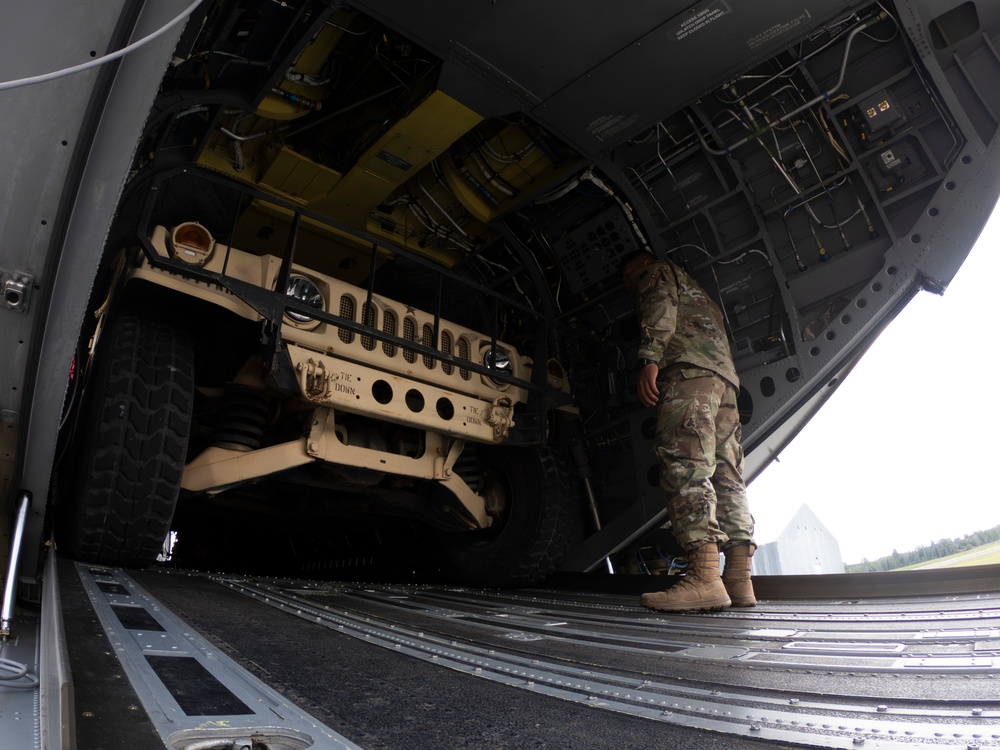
631 266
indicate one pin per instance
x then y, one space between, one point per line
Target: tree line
934 550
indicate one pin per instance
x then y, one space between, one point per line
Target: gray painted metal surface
55 688
69 158
20 709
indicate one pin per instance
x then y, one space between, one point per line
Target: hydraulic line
483 144
872 232
288 131
791 241
814 219
586 473
728 148
589 176
824 256
446 214
491 177
10 590
7 85
471 179
826 189
300 101
649 190
434 228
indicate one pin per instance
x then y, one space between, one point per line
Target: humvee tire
133 443
526 544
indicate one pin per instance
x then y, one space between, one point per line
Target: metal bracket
500 416
17 286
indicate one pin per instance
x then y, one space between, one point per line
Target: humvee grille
368 313
446 348
428 340
463 353
409 333
347 308
389 324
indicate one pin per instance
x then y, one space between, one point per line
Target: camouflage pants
698 442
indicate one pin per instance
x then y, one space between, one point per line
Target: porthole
932 211
877 287
949 185
861 303
792 374
831 335
814 352
767 388
845 320
966 159
915 239
891 271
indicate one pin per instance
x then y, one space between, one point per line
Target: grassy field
988 554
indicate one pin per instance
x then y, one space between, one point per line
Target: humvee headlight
499 361
305 291
192 243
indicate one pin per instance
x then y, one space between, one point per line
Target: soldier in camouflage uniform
687 371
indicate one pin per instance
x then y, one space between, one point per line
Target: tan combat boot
700 589
736 575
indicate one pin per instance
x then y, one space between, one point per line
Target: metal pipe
592 505
825 96
288 131
10 589
583 467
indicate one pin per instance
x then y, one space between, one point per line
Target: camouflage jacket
680 322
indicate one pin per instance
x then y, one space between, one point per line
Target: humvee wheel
133 439
539 508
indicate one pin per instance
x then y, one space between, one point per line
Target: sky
900 454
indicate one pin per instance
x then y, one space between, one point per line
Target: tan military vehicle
232 375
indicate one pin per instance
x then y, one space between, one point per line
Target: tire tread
137 433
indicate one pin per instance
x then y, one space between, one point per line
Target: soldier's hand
646 385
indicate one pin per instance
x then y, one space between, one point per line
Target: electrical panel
592 251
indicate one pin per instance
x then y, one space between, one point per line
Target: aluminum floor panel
181 692
450 667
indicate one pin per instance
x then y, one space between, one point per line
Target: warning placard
778 29
700 16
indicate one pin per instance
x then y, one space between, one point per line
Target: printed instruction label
609 125
397 161
701 15
778 29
